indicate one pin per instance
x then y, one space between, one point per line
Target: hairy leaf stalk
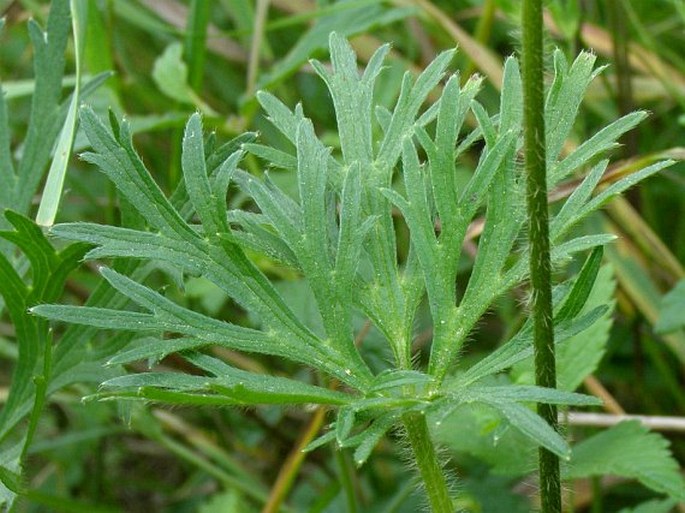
538 224
427 461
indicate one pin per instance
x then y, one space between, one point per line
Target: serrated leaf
629 450
480 431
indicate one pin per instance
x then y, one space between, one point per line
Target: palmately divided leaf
168 316
337 231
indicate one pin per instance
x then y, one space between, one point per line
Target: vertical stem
427 461
538 225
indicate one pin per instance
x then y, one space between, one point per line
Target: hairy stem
427 461
538 225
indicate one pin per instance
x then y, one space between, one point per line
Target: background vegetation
171 59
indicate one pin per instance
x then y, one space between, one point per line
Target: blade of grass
55 182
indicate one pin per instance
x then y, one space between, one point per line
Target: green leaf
408 104
233 386
369 438
623 185
49 271
322 440
476 429
671 310
525 393
454 105
352 233
170 74
344 424
283 213
569 212
520 347
210 207
7 173
629 450
118 159
257 235
582 286
281 116
11 480
271 156
155 349
167 316
599 143
532 426
397 378
564 250
580 355
564 98
352 97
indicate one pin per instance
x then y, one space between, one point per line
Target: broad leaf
629 450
